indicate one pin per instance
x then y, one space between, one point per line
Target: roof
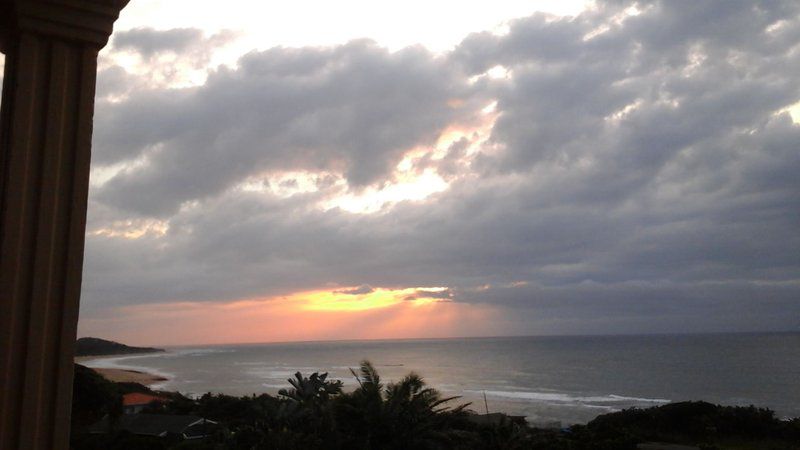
137 398
147 424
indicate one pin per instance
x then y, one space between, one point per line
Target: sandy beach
122 375
129 376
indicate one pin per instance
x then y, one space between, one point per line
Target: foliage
690 422
407 414
90 346
314 390
93 398
315 413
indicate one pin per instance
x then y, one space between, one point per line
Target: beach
119 375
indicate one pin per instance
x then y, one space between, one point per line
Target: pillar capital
86 21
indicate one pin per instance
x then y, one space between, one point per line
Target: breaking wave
567 398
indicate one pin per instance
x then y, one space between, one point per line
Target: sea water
547 379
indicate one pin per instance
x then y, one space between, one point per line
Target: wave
203 351
270 373
114 363
638 399
567 398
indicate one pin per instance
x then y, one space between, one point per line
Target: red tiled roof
136 398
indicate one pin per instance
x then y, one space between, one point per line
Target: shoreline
129 376
119 374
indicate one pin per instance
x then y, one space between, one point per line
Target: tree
406 414
314 390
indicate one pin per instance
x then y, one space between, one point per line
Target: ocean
567 379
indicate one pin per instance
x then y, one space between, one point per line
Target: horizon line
519 336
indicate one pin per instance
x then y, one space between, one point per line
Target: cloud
441 295
631 99
361 290
143 59
149 42
638 173
353 110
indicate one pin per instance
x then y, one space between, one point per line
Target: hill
90 346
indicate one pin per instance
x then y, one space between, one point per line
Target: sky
370 170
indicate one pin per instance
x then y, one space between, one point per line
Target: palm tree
307 409
406 414
314 390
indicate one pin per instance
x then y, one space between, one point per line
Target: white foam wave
113 362
567 398
283 372
119 362
202 351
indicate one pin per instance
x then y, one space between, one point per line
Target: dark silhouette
315 413
91 346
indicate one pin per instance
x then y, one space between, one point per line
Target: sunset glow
313 315
379 298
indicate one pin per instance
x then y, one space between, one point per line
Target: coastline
112 372
129 376
519 376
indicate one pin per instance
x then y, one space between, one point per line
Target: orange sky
304 316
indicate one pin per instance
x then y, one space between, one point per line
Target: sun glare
342 300
333 301
408 188
794 112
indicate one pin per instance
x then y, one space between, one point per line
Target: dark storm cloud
641 178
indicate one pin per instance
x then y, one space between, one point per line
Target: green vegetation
93 397
90 346
315 413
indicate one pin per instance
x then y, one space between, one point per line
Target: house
134 402
159 425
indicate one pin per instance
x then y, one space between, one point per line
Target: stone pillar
45 144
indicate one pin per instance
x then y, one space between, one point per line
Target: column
45 145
